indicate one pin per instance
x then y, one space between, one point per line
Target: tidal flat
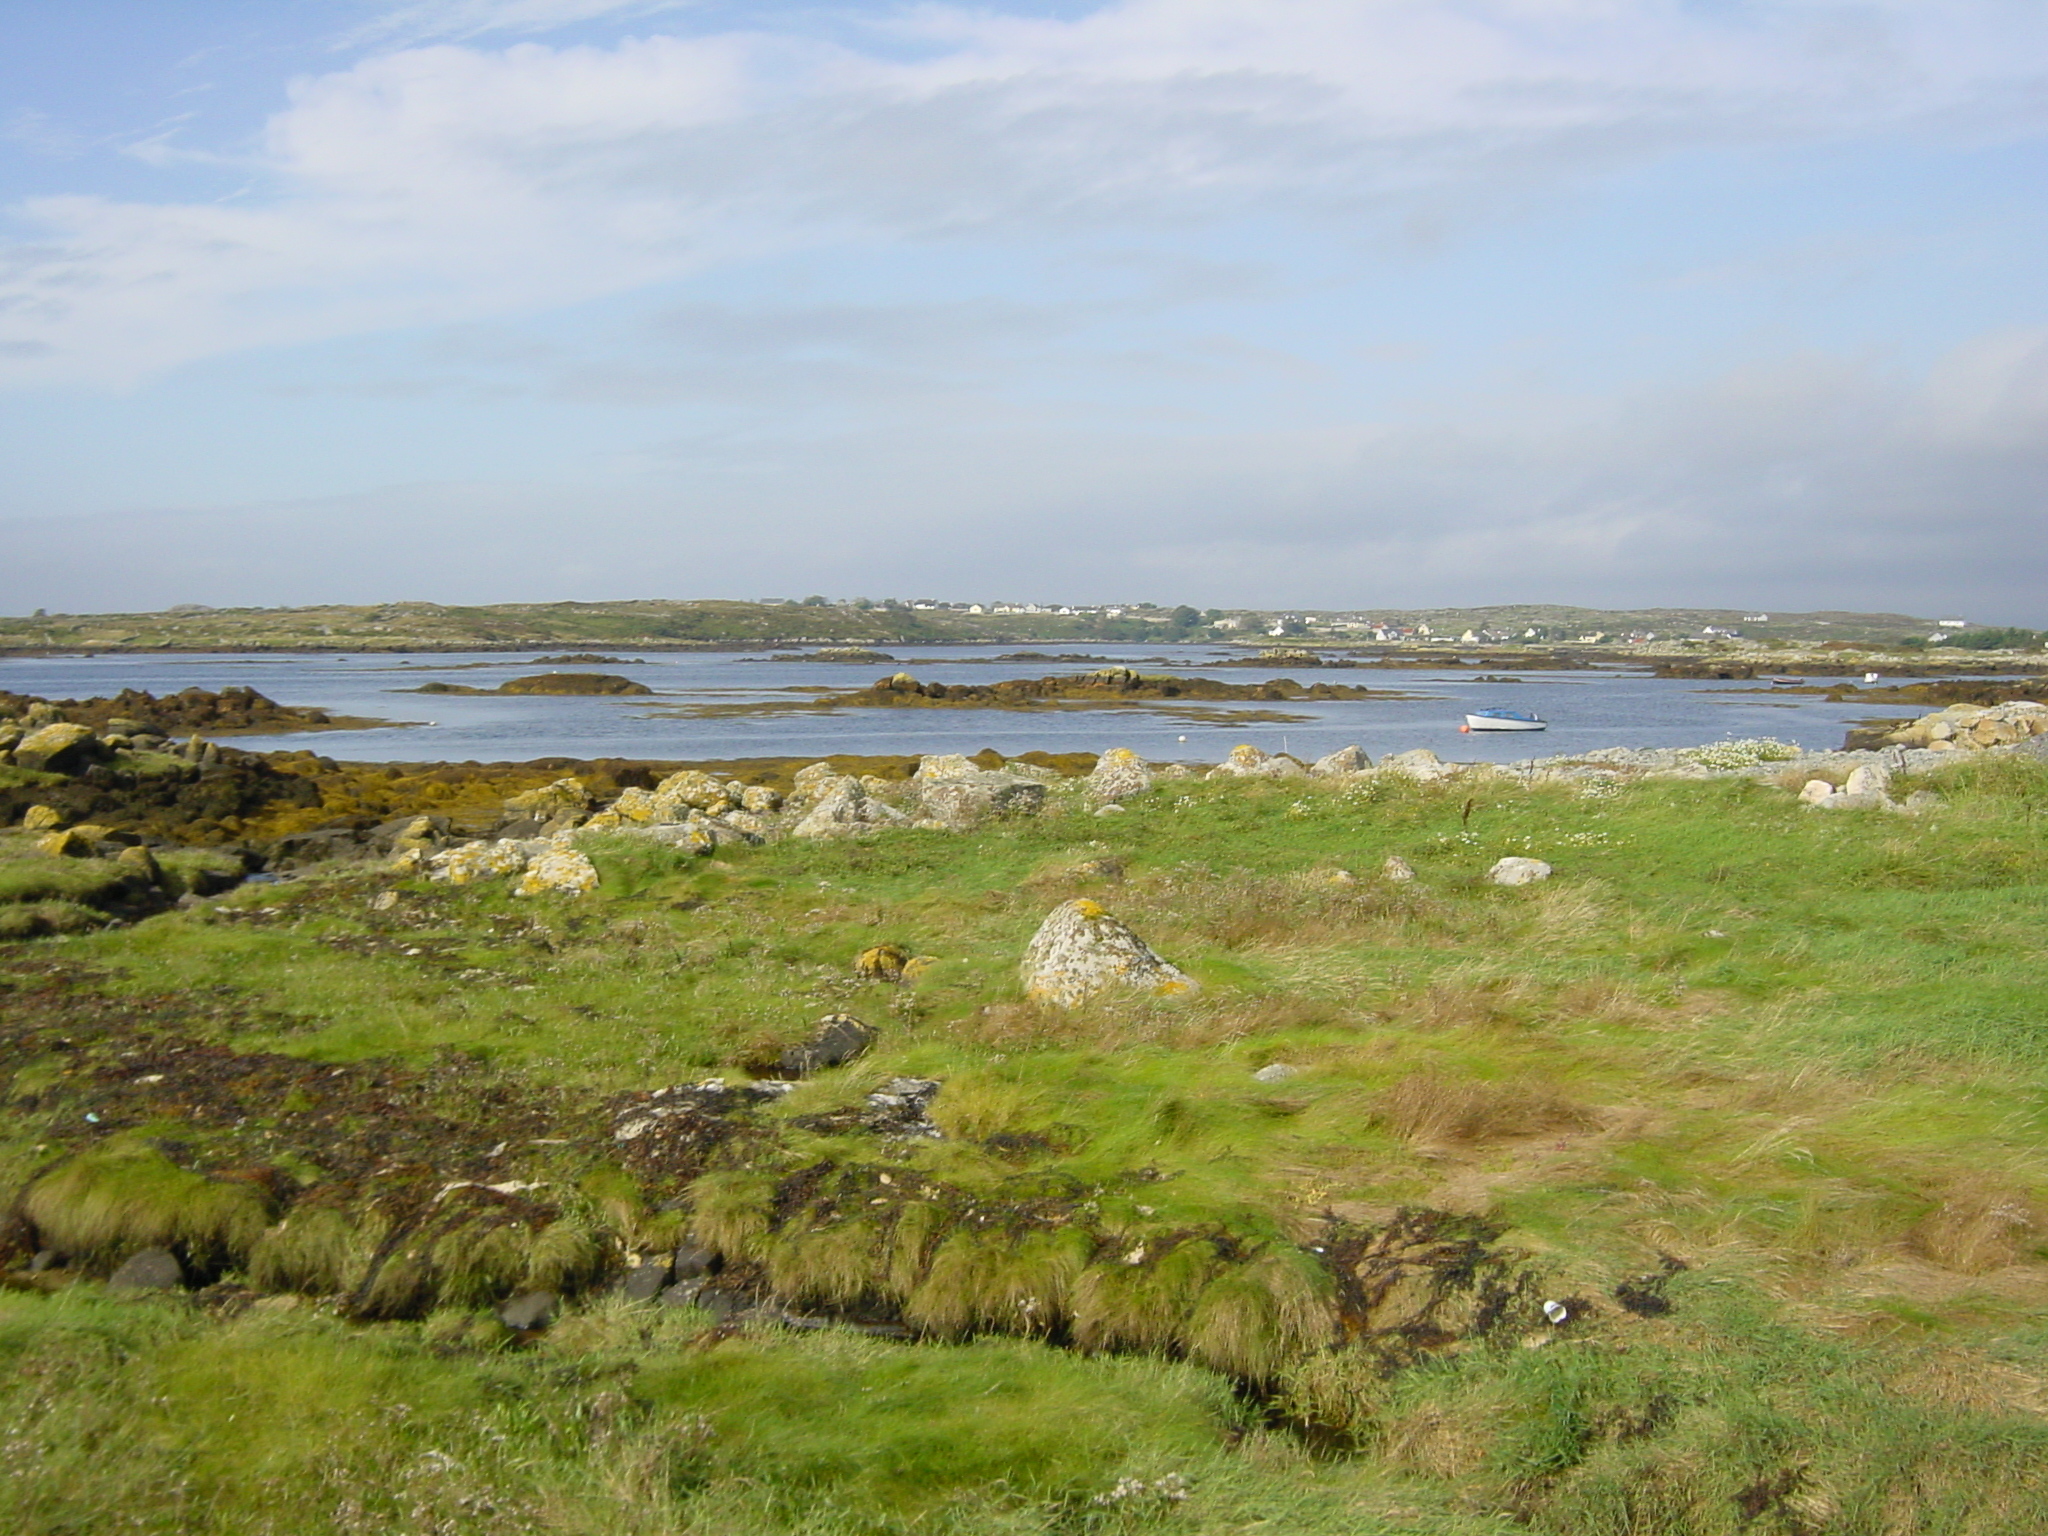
1697 1187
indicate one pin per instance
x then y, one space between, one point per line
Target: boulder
529 1312
638 805
153 1269
476 861
692 790
1340 763
565 800
1421 764
560 869
1118 774
1869 779
839 1038
759 800
690 836
1248 762
1815 791
646 1281
41 818
1518 871
947 765
881 962
961 801
1861 801
811 782
1397 869
68 844
60 748
846 809
1275 1072
1080 951
142 862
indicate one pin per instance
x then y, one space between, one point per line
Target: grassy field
1758 1094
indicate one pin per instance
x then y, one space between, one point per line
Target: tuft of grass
104 1205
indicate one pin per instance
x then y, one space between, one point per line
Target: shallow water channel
1607 707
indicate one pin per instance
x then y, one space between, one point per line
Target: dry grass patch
1977 1230
1428 1110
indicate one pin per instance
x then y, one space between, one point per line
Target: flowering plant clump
1746 753
1170 1489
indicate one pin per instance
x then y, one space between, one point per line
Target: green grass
1803 1054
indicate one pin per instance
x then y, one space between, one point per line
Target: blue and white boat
1503 720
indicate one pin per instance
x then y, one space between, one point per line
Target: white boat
1502 720
1870 677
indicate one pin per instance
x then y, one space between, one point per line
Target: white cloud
437 20
451 182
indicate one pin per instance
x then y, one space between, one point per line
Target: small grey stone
1518 871
1276 1072
683 1293
644 1282
528 1311
45 1259
694 1259
153 1269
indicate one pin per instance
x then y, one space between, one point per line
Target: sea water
1603 707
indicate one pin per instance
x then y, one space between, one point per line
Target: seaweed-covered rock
1080 951
60 748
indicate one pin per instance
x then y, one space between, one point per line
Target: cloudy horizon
1299 303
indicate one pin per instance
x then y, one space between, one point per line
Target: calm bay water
1586 710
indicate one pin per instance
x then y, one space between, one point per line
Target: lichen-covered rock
1080 951
41 818
638 805
846 809
60 748
947 765
1869 779
813 781
471 862
759 800
961 801
1119 774
1338 764
690 836
1966 727
1397 869
1421 764
691 790
1518 871
565 800
1248 762
142 862
561 869
68 844
881 962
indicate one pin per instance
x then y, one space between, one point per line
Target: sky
1267 303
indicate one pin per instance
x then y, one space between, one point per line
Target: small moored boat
1502 720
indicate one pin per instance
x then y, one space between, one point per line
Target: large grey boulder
1248 762
960 801
1080 951
1118 774
1340 763
846 809
1518 871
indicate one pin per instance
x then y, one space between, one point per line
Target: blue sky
1321 303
